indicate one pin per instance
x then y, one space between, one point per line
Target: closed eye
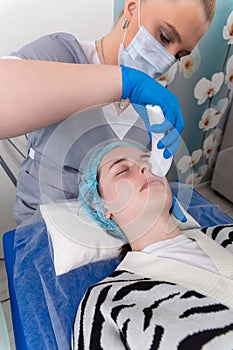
125 170
164 38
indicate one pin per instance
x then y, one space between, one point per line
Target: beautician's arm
35 94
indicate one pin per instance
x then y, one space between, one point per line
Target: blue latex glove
142 89
176 210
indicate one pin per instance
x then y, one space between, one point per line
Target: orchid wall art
205 100
203 82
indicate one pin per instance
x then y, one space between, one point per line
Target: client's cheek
121 198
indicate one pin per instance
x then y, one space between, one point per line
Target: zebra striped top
160 303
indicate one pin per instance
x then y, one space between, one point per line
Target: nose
145 166
143 169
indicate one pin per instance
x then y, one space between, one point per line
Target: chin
159 199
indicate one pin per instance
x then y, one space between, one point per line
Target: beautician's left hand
176 210
141 89
171 139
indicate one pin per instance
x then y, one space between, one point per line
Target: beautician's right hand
142 89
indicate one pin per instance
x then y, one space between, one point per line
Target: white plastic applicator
159 165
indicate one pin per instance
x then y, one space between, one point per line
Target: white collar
219 287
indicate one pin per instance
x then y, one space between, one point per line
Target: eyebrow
117 162
142 156
174 32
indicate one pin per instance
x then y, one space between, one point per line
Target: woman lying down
173 289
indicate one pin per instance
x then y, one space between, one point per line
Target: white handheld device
159 165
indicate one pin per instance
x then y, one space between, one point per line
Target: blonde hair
209 7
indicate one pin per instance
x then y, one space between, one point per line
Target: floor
203 189
206 191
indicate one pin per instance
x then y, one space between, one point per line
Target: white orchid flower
191 179
195 178
212 116
210 119
187 162
229 73
208 88
168 77
213 157
212 146
228 29
209 146
189 64
222 105
217 140
217 137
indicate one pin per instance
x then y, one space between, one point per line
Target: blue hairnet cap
89 197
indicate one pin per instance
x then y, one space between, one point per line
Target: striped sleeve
126 311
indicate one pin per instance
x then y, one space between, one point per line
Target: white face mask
145 53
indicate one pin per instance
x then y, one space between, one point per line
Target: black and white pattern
222 234
127 311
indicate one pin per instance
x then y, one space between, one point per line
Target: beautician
149 36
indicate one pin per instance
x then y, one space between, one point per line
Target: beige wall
24 20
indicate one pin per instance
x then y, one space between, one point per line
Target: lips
150 182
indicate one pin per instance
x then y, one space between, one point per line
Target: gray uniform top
52 169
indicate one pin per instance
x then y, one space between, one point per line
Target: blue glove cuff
176 210
126 86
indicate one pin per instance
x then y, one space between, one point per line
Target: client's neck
164 228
